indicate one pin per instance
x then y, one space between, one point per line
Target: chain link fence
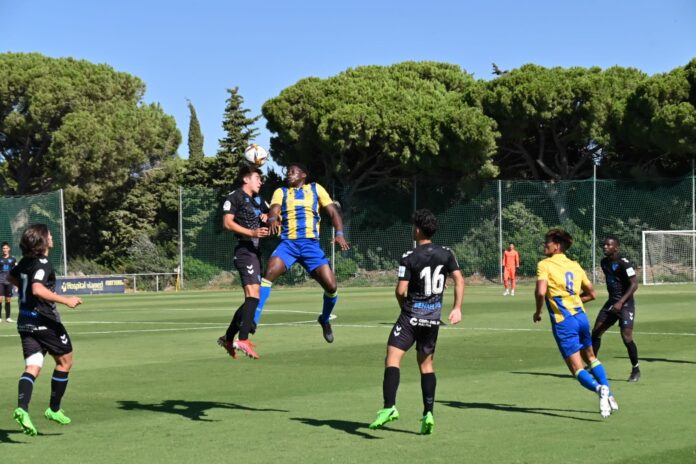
476 221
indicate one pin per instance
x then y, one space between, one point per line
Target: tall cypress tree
198 167
239 134
195 136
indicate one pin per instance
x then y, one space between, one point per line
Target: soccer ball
255 154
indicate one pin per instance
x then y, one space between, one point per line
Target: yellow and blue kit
299 209
569 323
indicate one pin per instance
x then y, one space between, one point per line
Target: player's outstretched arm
40 290
337 222
456 314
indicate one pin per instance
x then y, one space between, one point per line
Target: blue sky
196 50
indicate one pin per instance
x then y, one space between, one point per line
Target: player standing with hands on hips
422 274
39 326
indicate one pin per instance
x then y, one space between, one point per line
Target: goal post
669 256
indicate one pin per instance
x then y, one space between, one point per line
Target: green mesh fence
378 229
18 213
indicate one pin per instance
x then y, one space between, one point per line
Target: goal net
669 256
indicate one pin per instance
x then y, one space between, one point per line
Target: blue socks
587 380
598 371
266 286
329 303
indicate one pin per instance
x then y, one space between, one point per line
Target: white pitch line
212 325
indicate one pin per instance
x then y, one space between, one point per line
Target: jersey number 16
434 282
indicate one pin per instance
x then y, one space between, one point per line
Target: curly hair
560 236
34 242
426 221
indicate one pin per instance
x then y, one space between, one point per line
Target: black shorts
607 317
409 330
51 338
5 289
247 260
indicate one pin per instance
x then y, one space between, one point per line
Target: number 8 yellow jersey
565 278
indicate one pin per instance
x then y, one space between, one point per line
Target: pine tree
240 133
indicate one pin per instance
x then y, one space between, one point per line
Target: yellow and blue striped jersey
299 209
565 278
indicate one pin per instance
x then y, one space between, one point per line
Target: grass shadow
6 438
350 427
193 410
518 409
665 360
545 374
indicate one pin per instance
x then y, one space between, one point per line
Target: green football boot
427 424
24 420
57 416
383 416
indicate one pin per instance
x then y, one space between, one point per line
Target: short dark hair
426 221
297 164
560 236
614 238
34 242
4 243
247 170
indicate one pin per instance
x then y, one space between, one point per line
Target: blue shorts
305 251
572 334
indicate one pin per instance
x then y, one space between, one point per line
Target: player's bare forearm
539 297
41 291
229 224
400 292
337 222
274 219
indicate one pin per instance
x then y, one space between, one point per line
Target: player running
295 213
422 275
564 286
621 285
511 262
39 326
243 213
7 262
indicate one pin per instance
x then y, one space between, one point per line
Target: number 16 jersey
426 269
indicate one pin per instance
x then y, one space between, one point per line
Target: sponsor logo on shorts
414 321
397 330
250 268
64 339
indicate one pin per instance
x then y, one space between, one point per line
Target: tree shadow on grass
513 408
665 360
194 410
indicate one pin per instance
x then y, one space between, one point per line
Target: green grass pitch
150 385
